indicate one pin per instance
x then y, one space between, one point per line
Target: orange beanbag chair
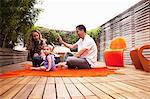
135 58
114 56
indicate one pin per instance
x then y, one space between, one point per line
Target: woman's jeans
36 61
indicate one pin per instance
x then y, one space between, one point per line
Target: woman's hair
81 27
31 40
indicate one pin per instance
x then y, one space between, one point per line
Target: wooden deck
134 84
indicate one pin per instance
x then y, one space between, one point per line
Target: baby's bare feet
47 69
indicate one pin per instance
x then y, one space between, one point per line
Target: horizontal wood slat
132 24
8 56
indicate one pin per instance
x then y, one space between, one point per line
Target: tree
71 38
16 18
95 34
49 34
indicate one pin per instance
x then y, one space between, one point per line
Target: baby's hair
49 46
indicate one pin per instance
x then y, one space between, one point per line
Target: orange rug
62 72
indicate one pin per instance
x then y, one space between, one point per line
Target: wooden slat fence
133 24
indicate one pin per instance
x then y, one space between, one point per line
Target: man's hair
81 27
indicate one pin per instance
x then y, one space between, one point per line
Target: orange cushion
118 43
114 58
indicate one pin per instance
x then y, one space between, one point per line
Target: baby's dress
53 62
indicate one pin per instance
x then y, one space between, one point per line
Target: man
86 57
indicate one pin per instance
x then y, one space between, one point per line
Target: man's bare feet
61 65
64 66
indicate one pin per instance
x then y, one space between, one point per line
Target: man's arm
82 52
71 46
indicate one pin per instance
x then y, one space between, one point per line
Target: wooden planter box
9 56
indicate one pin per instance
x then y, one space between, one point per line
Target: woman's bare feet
35 68
42 68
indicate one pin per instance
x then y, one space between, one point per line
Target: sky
67 14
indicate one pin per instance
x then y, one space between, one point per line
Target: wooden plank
9 85
50 80
132 83
108 91
50 91
42 80
125 87
59 80
12 92
25 92
84 90
97 91
142 95
5 81
117 90
130 96
91 97
123 77
145 76
62 91
66 80
117 96
17 80
145 83
34 80
82 80
102 79
113 78
89 79
5 88
103 88
73 91
25 80
39 88
37 92
74 79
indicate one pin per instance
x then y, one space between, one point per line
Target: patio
132 84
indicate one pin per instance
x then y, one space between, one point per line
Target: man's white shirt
89 44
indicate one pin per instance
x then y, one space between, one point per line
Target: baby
49 60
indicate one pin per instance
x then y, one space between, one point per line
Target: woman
34 46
